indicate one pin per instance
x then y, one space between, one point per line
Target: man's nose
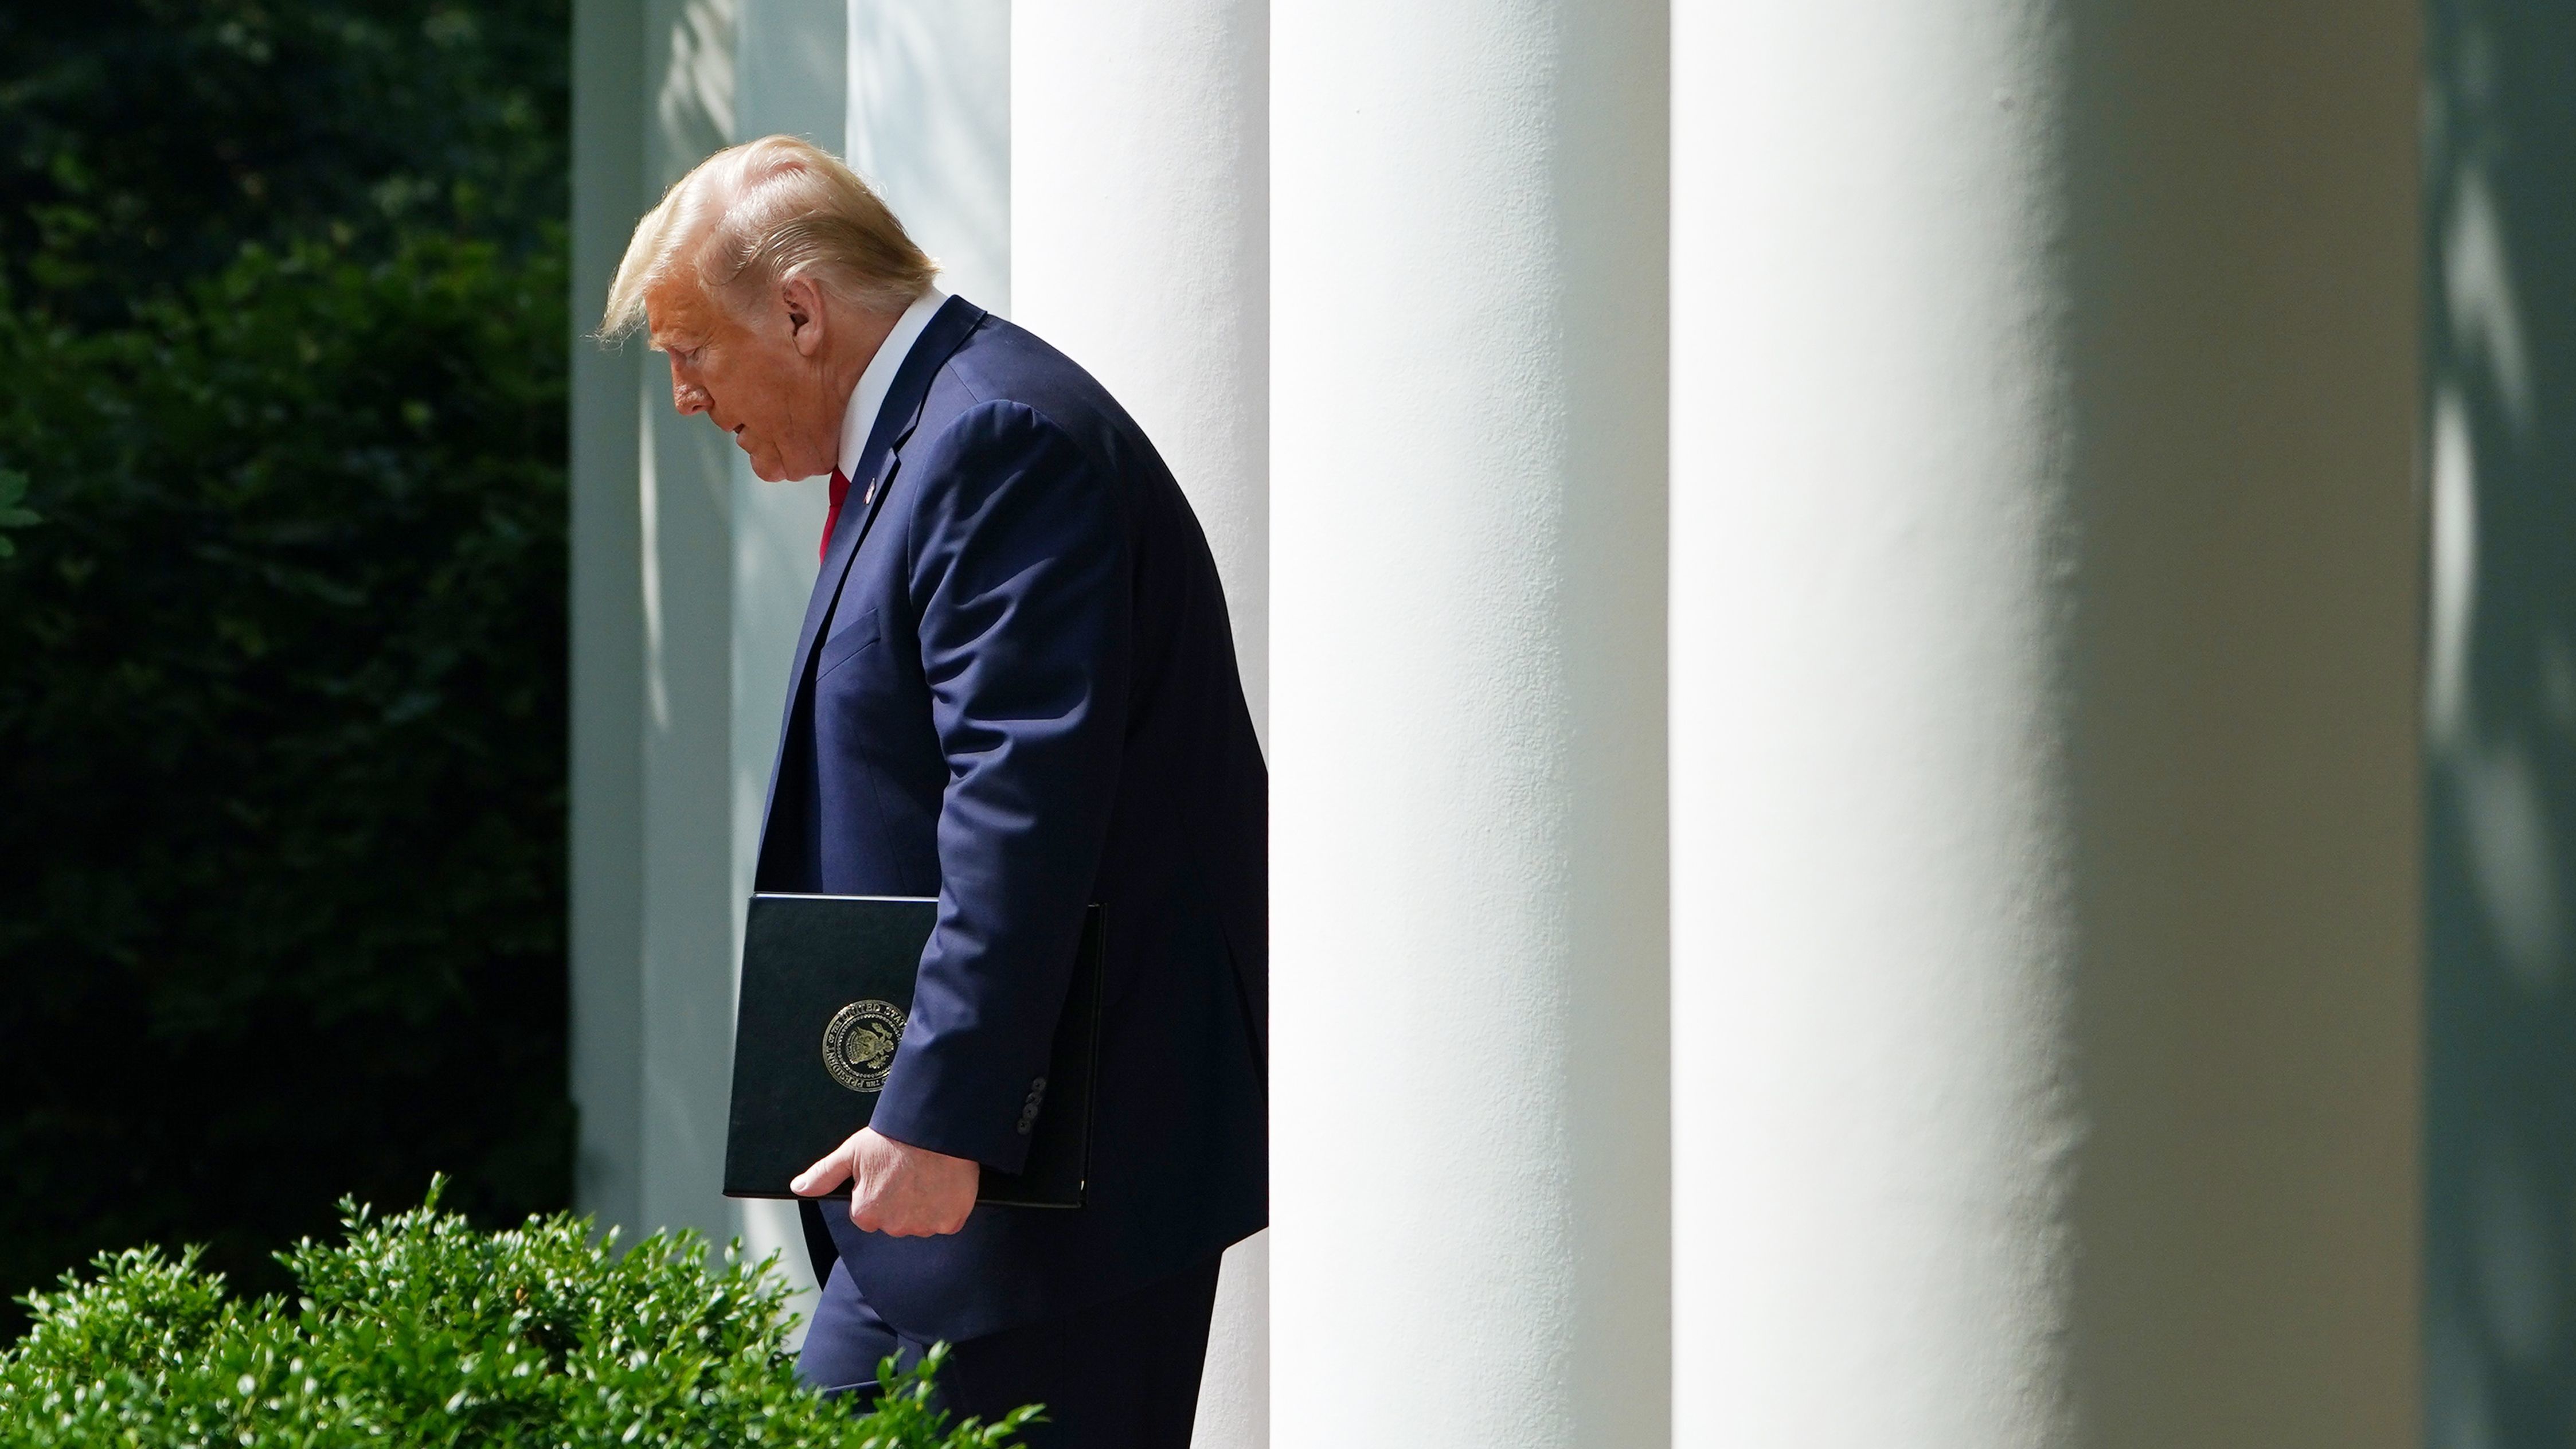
687 397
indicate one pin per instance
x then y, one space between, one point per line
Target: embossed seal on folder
858 1046
843 969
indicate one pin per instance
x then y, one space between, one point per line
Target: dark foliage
143 141
281 664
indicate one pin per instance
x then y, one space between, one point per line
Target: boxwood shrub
418 1329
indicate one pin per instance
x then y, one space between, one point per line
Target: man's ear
804 303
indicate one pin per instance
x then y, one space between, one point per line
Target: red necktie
840 492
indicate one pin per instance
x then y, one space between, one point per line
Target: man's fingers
899 1191
827 1173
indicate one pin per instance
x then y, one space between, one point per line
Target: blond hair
763 213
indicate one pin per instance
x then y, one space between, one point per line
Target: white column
1871 824
1468 900
2043 585
1140 245
930 125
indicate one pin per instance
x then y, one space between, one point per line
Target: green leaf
13 490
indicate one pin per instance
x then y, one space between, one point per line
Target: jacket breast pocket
846 643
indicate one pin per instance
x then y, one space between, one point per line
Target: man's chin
770 468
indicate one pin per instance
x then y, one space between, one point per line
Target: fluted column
1140 244
2044 845
1467 603
1873 915
930 126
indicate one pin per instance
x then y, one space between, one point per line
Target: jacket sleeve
1017 568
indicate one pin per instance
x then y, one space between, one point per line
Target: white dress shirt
868 398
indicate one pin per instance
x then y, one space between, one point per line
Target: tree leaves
13 491
282 666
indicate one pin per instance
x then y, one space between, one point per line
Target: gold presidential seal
858 1047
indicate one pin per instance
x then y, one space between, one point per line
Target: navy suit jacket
1016 690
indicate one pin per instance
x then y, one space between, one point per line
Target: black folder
826 991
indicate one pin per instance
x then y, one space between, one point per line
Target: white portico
1831 591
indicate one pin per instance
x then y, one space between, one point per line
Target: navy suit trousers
1118 1375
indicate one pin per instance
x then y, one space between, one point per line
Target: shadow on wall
2500 716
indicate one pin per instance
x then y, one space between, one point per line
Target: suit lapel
878 463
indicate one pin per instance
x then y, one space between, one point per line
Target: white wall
2247 288
1140 245
1467 606
2500 726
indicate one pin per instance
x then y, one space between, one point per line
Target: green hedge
420 1330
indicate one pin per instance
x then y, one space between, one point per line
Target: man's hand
896 1188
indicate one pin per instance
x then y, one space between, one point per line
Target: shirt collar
868 398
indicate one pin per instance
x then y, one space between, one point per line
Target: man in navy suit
1015 690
